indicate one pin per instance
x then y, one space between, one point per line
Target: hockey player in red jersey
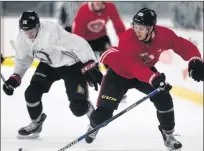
132 66
90 23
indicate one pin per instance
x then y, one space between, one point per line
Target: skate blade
31 136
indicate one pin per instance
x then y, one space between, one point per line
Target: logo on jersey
147 58
42 56
96 25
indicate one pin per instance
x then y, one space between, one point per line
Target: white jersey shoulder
53 45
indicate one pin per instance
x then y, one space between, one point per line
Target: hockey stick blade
110 119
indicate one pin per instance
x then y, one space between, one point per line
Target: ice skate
32 131
169 141
89 139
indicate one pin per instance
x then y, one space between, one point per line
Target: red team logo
96 25
147 58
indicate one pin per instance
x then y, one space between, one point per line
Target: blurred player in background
90 23
63 56
131 65
188 15
66 12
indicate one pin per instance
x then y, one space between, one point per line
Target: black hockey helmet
146 17
28 20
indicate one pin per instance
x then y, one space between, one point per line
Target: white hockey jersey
53 45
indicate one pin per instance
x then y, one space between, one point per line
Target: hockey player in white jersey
62 55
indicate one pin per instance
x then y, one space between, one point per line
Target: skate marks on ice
121 150
44 149
81 149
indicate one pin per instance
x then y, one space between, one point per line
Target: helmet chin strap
147 37
37 28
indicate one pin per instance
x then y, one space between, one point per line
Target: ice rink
134 131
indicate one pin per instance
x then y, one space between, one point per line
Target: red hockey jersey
132 58
91 25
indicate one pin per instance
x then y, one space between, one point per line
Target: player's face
31 33
97 6
141 31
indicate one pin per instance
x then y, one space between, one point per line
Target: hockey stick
4 80
110 120
8 57
12 44
2 77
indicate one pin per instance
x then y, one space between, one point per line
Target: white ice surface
134 131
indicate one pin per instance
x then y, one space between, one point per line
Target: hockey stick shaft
4 80
110 119
8 57
2 77
12 44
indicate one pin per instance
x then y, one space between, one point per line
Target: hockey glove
12 83
159 82
196 69
92 74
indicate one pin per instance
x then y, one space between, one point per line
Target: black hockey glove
196 70
92 74
159 82
12 83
